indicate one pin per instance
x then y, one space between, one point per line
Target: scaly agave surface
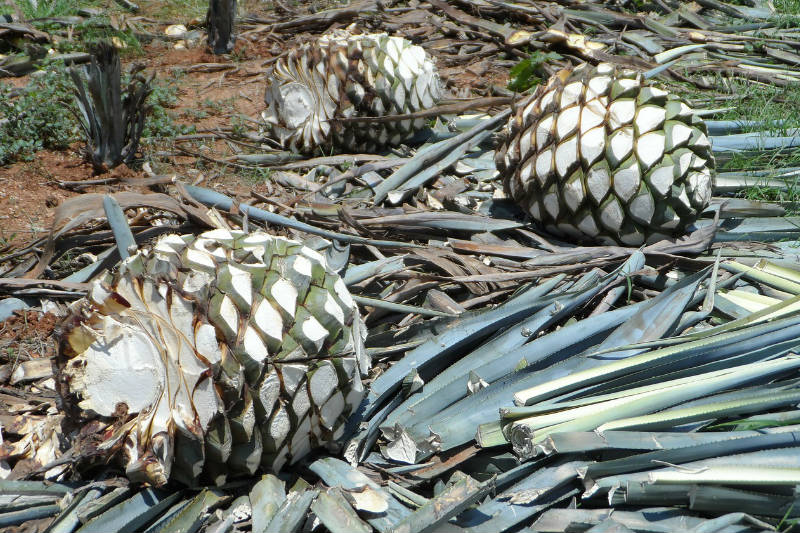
215 354
599 154
344 75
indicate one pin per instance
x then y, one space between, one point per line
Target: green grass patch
47 8
769 104
179 11
787 7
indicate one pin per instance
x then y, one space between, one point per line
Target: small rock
175 30
9 305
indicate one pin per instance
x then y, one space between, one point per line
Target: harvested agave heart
344 75
215 354
599 154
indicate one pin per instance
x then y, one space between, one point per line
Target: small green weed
161 121
255 175
38 118
527 73
219 107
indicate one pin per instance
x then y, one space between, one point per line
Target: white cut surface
566 156
525 142
206 343
611 214
301 439
279 425
544 131
525 173
268 391
293 374
254 345
302 266
573 193
170 244
649 118
343 293
238 284
685 158
626 181
599 85
650 148
225 315
126 366
571 93
200 260
621 112
332 410
620 146
551 203
678 134
592 115
567 122
535 209
661 179
598 181
593 145
314 331
642 208
546 100
649 94
323 383
301 402
206 402
268 320
221 236
588 226
544 164
285 295
182 314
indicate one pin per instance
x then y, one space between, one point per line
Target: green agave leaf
132 514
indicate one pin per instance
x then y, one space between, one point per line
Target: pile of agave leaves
520 383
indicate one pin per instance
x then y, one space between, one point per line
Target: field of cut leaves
399 266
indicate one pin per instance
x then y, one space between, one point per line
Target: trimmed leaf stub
216 355
599 154
343 75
